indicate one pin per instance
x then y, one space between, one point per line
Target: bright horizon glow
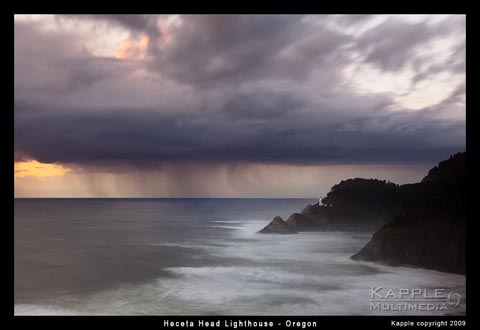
39 170
209 181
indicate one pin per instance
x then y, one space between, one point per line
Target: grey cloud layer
257 88
145 138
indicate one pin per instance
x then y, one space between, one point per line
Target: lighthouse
319 201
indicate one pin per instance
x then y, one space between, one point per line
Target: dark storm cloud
142 137
206 50
349 20
81 73
134 22
214 49
262 89
390 45
53 62
260 106
139 23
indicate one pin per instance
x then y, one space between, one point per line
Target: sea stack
277 226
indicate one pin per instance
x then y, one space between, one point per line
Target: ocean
201 257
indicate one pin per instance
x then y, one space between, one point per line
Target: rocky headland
352 205
420 225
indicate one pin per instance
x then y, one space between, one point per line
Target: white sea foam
32 309
303 274
226 227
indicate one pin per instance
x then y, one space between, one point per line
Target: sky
232 105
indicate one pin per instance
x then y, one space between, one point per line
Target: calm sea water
194 257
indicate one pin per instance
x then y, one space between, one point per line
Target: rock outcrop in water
430 232
277 226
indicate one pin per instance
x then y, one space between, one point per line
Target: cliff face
430 230
421 239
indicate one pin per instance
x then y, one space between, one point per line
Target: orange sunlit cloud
131 49
37 169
